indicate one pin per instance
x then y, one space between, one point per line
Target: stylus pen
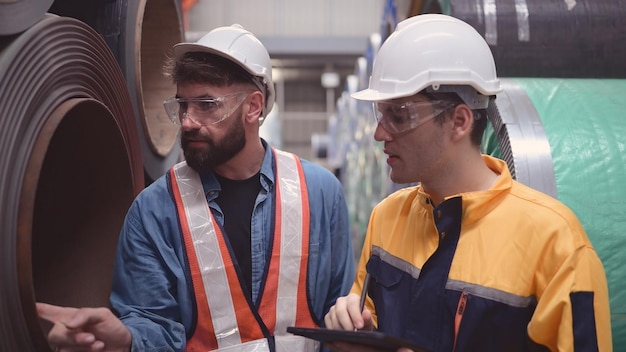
366 284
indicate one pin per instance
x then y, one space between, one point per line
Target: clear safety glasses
203 111
397 118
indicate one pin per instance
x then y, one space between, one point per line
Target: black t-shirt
236 200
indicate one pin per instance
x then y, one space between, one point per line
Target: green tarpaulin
585 124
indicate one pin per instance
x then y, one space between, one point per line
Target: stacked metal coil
140 34
18 15
70 166
538 38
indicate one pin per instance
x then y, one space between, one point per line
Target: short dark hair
480 115
200 67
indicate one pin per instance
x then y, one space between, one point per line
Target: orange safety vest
225 319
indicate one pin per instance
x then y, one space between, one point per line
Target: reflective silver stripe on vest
209 256
288 182
210 260
250 346
295 343
283 344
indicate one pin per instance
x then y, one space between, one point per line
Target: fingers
68 340
71 318
368 324
85 317
70 327
345 314
339 317
53 313
96 347
63 337
354 310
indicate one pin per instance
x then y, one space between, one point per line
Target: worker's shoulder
313 169
543 209
537 199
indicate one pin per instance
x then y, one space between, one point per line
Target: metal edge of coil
18 16
140 33
523 141
133 41
54 60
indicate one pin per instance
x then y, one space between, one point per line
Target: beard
218 152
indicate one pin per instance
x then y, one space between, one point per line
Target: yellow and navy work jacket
506 269
227 320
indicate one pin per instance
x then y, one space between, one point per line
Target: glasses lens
172 109
398 118
203 111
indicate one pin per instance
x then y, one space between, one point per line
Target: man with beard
231 246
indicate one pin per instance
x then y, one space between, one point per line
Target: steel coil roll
69 168
140 33
18 15
567 138
538 38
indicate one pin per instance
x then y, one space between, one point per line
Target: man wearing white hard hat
469 259
234 244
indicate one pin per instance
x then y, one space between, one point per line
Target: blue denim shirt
152 291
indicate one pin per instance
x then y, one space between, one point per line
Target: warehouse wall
305 39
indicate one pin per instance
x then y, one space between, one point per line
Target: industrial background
83 128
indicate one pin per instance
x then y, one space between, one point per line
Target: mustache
191 135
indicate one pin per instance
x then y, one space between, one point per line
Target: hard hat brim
374 95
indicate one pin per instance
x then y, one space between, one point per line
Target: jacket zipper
460 309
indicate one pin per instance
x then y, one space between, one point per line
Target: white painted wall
291 18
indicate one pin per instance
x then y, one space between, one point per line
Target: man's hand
85 329
346 315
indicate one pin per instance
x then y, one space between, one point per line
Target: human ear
462 121
255 106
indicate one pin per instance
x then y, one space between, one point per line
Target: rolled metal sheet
582 122
538 38
151 28
18 15
523 141
70 166
140 34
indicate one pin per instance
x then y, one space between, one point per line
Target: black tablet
371 339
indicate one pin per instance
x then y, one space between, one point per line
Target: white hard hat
435 52
241 47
